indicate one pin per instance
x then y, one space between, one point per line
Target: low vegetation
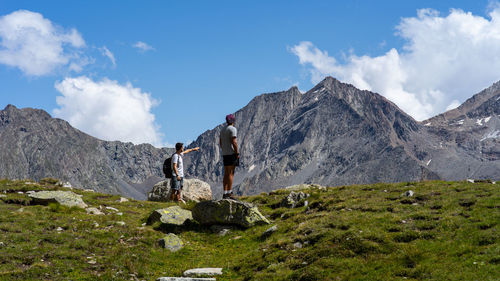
445 231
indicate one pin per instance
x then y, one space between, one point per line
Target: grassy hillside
445 231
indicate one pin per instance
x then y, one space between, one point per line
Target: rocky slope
34 145
334 134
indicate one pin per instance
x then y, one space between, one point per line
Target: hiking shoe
229 196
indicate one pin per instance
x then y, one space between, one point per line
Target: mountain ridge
333 134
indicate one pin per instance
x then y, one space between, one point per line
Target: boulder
66 198
228 211
293 199
171 216
171 242
193 190
269 231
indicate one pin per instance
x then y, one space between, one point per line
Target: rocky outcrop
293 199
65 198
193 190
227 211
171 216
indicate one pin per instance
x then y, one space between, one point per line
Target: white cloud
35 45
107 53
444 60
108 110
143 47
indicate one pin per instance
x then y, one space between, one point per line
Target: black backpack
167 168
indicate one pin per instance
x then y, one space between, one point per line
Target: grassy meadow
445 231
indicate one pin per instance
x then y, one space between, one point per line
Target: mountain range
334 134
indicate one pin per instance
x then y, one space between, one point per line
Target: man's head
179 146
230 119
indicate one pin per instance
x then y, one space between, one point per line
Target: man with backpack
177 171
230 155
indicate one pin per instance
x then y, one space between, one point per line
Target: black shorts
231 160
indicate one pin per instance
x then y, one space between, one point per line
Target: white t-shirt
176 158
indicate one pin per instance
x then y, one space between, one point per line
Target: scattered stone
67 185
237 237
198 272
297 245
171 242
94 211
408 193
119 214
470 180
184 279
221 230
96 224
65 198
2 244
171 216
112 209
20 192
120 222
193 190
123 199
293 199
59 229
269 232
2 195
228 211
88 190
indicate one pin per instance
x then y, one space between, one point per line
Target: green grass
446 231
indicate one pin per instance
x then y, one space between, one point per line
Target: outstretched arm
191 149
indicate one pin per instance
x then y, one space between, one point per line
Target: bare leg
172 195
230 177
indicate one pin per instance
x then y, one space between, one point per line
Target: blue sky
166 71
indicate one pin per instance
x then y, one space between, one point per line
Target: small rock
67 185
171 216
237 237
59 229
269 231
171 242
96 224
228 211
120 222
2 195
20 192
470 180
123 199
119 214
88 190
293 199
2 244
297 245
408 193
221 230
94 211
112 209
208 271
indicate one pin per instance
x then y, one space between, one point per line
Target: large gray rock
193 190
171 242
227 211
66 198
171 216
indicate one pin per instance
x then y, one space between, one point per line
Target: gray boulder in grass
171 216
227 211
171 242
66 198
194 190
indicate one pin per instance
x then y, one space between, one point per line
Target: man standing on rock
177 181
230 155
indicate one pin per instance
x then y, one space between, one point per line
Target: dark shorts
176 184
231 160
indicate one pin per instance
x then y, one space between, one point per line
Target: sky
162 72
